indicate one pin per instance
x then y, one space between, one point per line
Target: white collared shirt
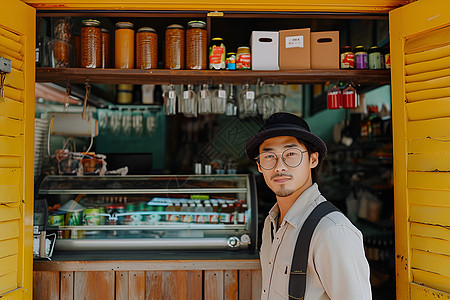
337 266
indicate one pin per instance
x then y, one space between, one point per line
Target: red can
334 98
350 97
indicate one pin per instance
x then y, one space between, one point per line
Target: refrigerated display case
155 212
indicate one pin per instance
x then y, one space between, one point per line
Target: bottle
199 213
170 101
225 215
230 62
189 102
231 109
242 213
217 54
185 218
246 104
124 45
219 100
387 57
374 58
170 217
216 217
208 209
347 58
204 102
192 210
361 58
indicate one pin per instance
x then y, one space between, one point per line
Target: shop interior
139 134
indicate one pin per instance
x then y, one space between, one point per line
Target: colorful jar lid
124 25
146 29
90 22
175 26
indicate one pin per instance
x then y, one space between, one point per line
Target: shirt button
264 292
270 262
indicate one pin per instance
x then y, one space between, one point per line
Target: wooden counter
148 279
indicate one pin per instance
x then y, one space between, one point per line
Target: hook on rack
87 85
66 96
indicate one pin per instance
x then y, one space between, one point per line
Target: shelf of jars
165 76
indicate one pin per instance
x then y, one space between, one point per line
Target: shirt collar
301 205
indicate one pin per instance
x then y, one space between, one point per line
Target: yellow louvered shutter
17 43
420 52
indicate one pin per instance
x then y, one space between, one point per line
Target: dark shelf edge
161 76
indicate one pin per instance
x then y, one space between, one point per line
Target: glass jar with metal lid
374 58
196 46
146 48
124 45
174 47
361 58
91 44
243 58
106 48
217 54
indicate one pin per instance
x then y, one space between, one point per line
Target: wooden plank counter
207 279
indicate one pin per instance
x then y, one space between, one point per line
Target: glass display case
156 212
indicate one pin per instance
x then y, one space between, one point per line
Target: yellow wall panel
428 94
421 110
9 162
10 44
10 146
429 162
8 282
428 55
427 75
9 247
15 63
9 176
429 244
420 292
425 230
10 35
430 215
429 180
427 66
429 198
13 55
436 128
10 127
15 79
8 264
431 262
427 145
9 213
428 84
12 109
9 230
13 93
435 38
10 193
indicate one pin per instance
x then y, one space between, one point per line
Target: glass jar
59 54
204 101
347 58
231 61
217 54
374 58
106 48
91 44
170 101
196 46
174 47
361 59
243 58
146 48
189 105
124 45
219 100
246 102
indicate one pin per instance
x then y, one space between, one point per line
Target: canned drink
91 216
56 220
73 218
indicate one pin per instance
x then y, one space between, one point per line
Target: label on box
295 41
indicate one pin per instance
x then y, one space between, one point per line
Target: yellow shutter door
420 51
17 43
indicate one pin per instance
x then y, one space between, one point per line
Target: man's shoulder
336 221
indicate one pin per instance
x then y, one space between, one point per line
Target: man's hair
315 172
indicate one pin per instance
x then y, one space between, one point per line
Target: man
289 156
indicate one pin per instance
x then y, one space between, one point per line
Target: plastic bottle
242 213
199 214
208 209
191 217
225 215
185 217
216 217
170 217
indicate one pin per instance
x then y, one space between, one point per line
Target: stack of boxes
295 49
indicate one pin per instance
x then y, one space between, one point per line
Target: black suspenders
297 278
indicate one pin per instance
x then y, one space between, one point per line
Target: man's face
282 179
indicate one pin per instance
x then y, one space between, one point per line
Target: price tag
172 94
250 95
186 94
202 94
222 94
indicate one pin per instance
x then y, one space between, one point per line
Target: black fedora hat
284 124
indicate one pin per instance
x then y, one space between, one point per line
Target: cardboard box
264 46
295 49
325 50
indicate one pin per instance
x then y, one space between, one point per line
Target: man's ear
314 159
259 168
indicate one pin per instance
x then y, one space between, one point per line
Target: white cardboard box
264 46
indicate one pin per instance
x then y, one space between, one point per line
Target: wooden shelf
160 76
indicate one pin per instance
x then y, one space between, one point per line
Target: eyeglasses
292 157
